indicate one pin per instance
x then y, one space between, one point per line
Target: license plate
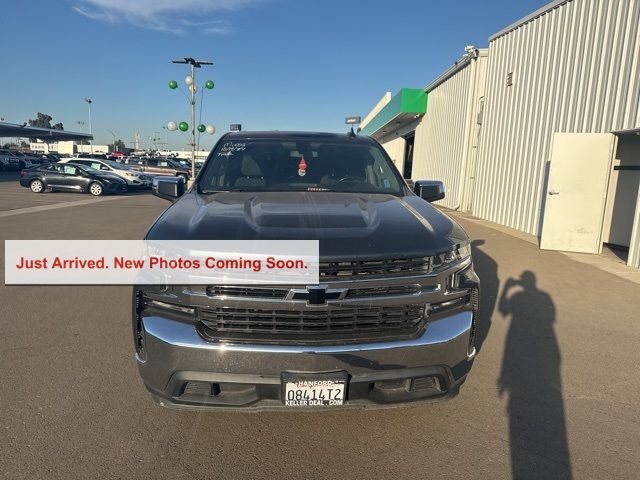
314 390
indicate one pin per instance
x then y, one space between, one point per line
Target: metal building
570 67
413 137
455 103
542 132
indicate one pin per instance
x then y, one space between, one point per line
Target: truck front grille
280 293
308 325
247 291
400 266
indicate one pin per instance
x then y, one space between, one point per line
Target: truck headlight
456 255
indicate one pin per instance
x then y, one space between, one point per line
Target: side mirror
429 190
170 188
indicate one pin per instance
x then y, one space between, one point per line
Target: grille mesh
247 291
376 267
222 322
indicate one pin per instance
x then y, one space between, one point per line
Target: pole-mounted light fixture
190 81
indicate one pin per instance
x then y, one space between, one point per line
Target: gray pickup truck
391 322
153 166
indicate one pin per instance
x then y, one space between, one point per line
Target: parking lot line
20 211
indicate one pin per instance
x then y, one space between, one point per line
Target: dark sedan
71 178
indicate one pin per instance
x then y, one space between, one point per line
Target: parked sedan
134 179
71 178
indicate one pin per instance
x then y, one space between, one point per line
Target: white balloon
188 80
172 126
211 129
193 88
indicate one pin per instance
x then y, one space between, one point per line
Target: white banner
161 262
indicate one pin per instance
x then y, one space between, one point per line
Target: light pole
89 101
190 80
166 137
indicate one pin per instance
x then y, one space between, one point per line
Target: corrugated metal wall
394 146
634 250
447 134
575 68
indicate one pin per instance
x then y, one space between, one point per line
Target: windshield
116 165
175 163
299 165
88 169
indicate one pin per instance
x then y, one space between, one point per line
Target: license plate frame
317 389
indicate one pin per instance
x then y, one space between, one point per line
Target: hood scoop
302 211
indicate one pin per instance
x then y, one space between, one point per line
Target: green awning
401 110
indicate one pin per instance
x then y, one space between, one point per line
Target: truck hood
348 225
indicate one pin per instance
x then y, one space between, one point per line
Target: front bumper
115 187
180 369
138 182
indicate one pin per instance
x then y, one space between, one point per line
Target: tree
117 146
43 120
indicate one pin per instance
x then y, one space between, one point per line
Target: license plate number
309 391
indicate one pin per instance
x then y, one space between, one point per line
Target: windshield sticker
230 148
302 167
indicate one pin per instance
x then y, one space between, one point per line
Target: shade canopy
44 134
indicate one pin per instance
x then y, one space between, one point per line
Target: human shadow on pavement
487 269
530 377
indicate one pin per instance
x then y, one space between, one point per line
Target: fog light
399 384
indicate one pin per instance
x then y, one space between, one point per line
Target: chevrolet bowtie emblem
317 294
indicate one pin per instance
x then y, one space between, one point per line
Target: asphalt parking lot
553 393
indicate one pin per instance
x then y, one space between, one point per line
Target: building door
623 192
577 192
408 155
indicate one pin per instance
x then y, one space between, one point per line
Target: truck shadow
530 377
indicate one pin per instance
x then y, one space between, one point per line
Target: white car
134 179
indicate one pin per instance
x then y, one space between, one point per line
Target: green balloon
173 84
183 126
201 128
209 84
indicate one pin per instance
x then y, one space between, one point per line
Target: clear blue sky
279 64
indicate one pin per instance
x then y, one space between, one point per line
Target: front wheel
96 189
36 186
183 177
